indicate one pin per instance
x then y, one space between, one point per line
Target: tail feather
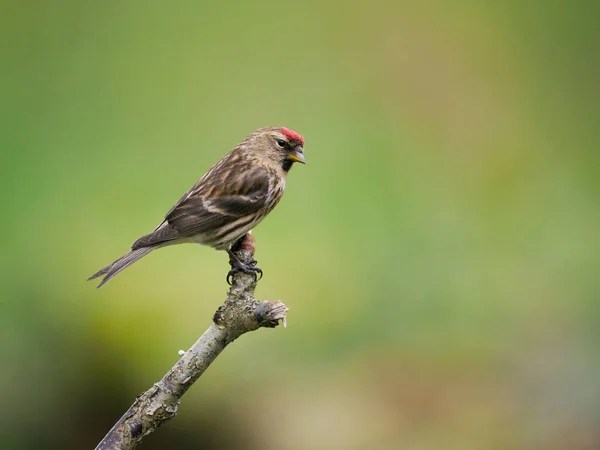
121 264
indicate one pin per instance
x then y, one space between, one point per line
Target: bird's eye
281 143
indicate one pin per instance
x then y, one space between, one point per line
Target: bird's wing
219 172
214 202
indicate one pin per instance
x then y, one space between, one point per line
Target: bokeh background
439 253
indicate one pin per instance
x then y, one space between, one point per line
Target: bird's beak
297 157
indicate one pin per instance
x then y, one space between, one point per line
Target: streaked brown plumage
233 197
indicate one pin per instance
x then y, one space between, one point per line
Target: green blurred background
439 253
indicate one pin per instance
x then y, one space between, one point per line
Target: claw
246 268
238 266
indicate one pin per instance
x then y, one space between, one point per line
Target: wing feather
204 209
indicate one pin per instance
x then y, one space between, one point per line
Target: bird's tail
121 264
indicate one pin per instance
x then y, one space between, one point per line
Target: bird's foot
250 269
239 266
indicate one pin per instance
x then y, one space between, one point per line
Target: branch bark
239 314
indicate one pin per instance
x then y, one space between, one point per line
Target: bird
228 201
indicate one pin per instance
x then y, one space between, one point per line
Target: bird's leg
238 266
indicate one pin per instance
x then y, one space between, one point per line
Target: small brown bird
233 197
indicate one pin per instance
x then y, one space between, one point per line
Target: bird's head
278 146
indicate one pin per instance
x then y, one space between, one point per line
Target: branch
240 313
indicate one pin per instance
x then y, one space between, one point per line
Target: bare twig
240 313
